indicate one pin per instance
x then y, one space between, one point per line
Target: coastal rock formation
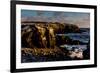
43 34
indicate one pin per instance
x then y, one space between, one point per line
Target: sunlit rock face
30 38
43 34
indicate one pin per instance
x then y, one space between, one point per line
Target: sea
83 36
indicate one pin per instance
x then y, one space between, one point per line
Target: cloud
80 19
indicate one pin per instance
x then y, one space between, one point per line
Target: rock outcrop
43 34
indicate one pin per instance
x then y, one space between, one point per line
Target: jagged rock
43 34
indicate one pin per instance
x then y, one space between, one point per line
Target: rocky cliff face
43 34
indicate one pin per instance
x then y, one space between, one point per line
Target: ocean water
83 36
73 47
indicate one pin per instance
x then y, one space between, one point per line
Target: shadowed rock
43 34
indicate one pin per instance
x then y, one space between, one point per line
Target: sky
77 18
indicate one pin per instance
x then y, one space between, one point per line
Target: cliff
43 34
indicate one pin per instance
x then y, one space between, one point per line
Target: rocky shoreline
40 42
